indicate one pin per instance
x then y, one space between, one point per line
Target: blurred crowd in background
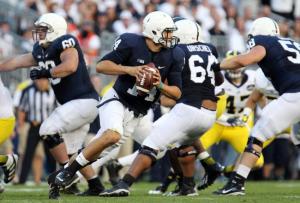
96 24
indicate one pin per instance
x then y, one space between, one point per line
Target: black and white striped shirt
37 104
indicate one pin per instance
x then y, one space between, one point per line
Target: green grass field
257 192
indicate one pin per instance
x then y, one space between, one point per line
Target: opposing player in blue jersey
122 108
57 55
193 114
279 59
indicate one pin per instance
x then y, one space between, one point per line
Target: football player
238 85
264 92
279 59
198 101
7 124
122 108
109 156
59 57
212 168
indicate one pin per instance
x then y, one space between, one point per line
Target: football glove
230 121
235 121
39 73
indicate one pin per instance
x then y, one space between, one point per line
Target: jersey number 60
48 65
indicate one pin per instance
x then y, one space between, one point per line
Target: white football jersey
6 104
238 95
264 85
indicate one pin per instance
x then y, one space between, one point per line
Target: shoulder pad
250 73
178 52
127 40
259 40
213 50
65 42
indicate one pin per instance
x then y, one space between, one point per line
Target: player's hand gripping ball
144 82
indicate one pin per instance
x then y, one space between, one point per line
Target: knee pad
185 151
149 152
250 149
52 141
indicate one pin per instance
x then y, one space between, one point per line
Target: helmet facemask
159 27
49 27
167 40
235 74
40 32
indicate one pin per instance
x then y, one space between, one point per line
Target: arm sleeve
121 50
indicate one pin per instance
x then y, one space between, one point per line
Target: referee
36 104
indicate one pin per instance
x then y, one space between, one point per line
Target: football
145 82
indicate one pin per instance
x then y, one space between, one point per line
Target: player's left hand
235 121
39 73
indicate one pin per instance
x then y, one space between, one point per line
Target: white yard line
286 185
292 196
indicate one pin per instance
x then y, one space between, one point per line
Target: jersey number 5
291 47
198 72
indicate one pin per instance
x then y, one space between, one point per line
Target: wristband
247 111
160 86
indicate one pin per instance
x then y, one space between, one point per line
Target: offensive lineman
279 59
264 92
59 58
238 85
